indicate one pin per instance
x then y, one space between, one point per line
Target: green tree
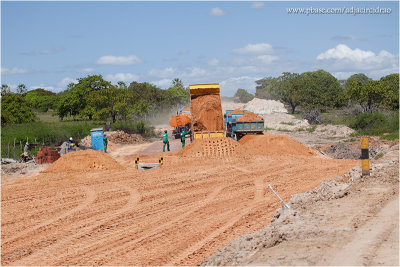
5 89
368 95
288 89
390 90
16 109
112 103
74 101
376 94
360 77
122 85
320 90
41 99
178 96
243 95
265 88
21 89
177 83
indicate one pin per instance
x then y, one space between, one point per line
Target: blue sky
50 44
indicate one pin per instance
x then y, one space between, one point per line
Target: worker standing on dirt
165 141
105 143
70 145
182 135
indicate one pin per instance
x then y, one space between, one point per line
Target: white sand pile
262 106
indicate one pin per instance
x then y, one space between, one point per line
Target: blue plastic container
97 138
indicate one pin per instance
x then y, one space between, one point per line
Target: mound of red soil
237 111
84 161
46 155
274 145
212 147
250 116
207 113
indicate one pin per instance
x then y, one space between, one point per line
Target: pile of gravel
262 106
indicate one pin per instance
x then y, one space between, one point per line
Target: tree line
92 98
320 90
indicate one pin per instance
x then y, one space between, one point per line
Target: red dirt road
178 214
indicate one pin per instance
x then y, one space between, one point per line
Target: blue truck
237 129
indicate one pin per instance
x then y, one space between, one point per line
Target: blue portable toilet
97 138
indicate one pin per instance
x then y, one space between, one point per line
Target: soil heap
116 137
237 111
212 147
279 145
46 155
262 106
84 161
120 137
250 116
207 113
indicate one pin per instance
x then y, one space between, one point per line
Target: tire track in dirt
90 197
178 260
115 248
84 228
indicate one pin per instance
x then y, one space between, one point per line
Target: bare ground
178 214
350 220
183 212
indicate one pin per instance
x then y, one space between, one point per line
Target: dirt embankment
207 113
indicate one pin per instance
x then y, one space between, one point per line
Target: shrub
368 121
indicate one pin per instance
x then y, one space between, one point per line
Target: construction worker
165 141
182 135
70 145
105 143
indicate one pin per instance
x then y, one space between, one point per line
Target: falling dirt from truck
207 113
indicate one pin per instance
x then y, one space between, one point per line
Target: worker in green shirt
165 141
183 134
105 143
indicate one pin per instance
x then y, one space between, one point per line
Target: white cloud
342 59
230 85
346 38
213 62
216 11
257 4
254 49
15 70
267 59
164 83
87 70
125 77
119 60
64 82
52 50
164 73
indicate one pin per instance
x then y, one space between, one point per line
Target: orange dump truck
206 110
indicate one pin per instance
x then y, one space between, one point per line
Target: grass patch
287 123
49 133
379 155
312 129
